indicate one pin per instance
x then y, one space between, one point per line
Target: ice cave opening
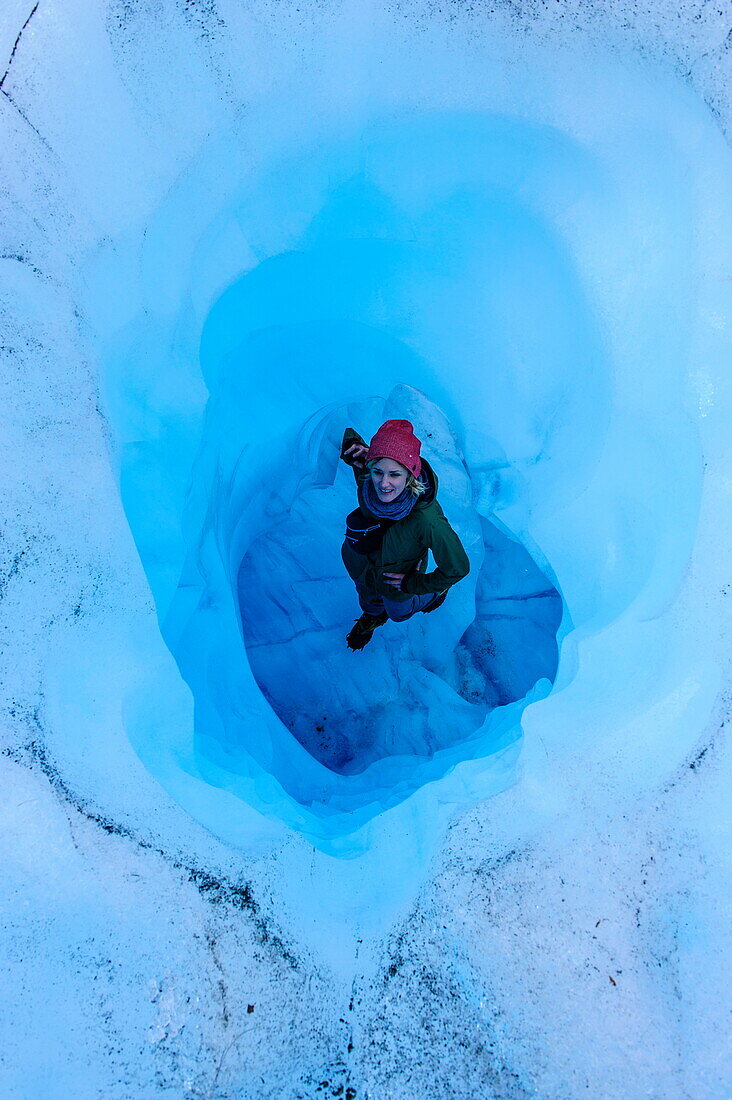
416 689
258 618
379 280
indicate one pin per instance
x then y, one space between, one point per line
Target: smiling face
389 478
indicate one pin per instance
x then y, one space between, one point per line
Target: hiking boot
362 630
438 603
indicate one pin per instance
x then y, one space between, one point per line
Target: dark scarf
393 509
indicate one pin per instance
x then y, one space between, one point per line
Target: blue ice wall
420 266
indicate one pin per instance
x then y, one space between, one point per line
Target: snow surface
228 232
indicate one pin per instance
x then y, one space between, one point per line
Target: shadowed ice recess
427 279
413 691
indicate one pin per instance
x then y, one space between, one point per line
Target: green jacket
403 548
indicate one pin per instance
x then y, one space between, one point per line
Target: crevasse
447 267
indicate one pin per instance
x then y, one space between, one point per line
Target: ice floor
490 855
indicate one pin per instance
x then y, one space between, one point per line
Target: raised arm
353 452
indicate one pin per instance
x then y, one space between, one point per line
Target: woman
397 521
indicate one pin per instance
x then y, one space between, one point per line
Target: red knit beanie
396 439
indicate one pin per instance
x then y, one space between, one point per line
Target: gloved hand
355 455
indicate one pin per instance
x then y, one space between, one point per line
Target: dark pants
373 603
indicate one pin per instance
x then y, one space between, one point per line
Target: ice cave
488 855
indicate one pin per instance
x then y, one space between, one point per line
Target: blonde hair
415 486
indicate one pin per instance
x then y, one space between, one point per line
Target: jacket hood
430 477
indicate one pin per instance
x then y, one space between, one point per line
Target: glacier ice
516 235
452 264
307 330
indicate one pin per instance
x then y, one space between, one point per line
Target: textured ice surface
405 697
228 231
419 699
